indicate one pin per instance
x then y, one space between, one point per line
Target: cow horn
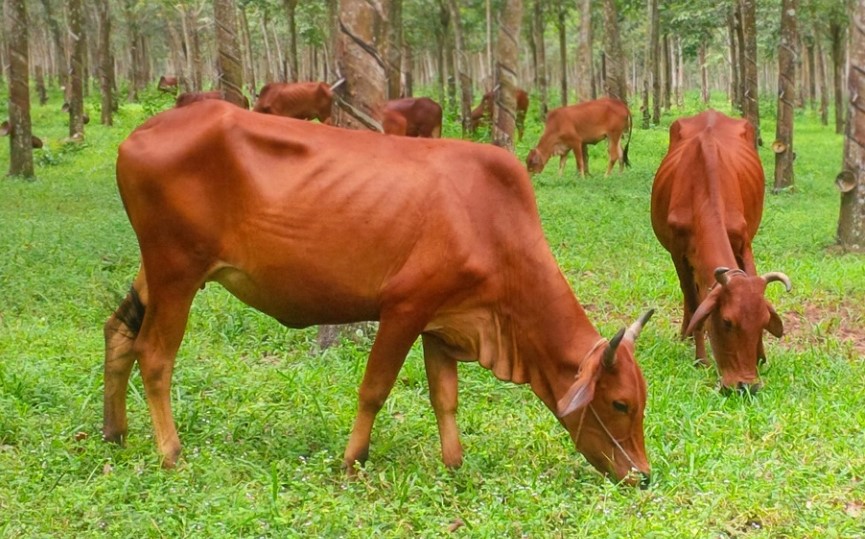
778 276
721 275
610 353
634 330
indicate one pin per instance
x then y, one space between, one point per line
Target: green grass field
264 415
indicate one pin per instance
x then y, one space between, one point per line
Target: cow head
737 313
603 409
535 162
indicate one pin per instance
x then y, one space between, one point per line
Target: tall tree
59 48
821 76
585 66
290 11
540 53
787 55
735 94
507 59
106 62
228 47
651 73
21 142
76 71
615 83
393 49
837 31
462 68
561 15
361 63
750 96
136 49
851 223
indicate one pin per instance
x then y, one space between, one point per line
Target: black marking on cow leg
131 312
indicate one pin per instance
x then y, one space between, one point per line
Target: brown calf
301 100
575 127
412 117
484 111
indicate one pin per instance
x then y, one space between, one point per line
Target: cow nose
645 480
742 388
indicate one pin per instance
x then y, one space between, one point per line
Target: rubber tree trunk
735 87
507 63
76 71
360 62
615 83
393 49
851 181
462 68
21 141
228 63
651 73
750 97
563 52
836 35
59 49
585 66
821 74
787 55
290 9
106 63
540 55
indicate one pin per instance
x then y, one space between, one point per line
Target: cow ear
703 311
583 389
5 129
776 326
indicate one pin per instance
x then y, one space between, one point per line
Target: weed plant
264 414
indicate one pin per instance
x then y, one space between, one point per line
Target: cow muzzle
742 388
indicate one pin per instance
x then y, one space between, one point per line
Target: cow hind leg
121 330
441 371
615 151
396 334
156 349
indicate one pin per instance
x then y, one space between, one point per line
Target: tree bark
668 73
507 61
704 74
393 49
563 53
585 66
541 55
39 75
787 54
750 98
247 59
230 70
135 50
821 75
650 70
21 137
76 90
59 49
615 83
836 35
851 223
360 62
465 81
290 9
106 63
812 79
735 95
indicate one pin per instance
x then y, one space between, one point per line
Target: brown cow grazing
707 202
167 84
575 127
412 117
301 100
484 111
216 193
6 129
187 98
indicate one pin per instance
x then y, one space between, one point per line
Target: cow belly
297 302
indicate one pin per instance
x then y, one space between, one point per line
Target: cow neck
556 341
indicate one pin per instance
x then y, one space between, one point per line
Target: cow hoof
701 362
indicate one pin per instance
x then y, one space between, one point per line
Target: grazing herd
439 239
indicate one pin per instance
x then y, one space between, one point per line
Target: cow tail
625 150
131 312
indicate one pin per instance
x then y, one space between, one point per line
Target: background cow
301 100
707 202
575 127
167 84
187 98
484 111
6 129
412 117
314 225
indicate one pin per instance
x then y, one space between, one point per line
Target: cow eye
621 406
728 324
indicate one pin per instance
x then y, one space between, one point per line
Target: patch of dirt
815 324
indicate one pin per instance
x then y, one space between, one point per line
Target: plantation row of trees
645 52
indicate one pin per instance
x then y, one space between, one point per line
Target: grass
264 415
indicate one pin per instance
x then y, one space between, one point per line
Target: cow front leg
156 348
392 343
582 153
441 372
563 158
690 303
